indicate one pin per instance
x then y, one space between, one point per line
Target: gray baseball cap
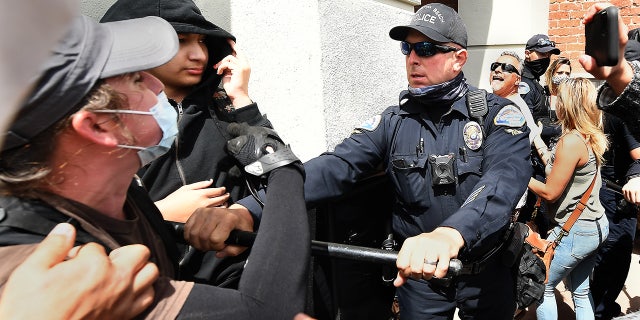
89 51
436 21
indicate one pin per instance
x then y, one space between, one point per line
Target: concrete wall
321 67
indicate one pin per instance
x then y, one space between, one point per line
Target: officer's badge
523 88
370 124
472 135
509 116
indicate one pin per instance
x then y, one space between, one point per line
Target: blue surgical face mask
166 117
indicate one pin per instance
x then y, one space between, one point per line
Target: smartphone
601 37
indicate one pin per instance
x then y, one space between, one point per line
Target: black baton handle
612 185
330 249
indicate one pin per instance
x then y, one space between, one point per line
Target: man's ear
97 128
461 58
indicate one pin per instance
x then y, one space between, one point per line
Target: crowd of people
144 121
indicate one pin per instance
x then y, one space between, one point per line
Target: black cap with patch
436 21
541 43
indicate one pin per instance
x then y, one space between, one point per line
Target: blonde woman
570 167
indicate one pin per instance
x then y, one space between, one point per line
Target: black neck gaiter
445 93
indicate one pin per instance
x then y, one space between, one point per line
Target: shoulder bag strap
578 210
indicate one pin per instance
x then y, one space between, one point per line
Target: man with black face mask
537 58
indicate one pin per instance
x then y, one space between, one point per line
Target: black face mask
538 67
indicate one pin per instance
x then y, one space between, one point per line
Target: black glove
259 149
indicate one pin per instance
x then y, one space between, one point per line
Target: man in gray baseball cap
93 119
88 53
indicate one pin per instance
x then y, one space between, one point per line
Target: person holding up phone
620 95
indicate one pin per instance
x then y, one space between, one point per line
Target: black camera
442 169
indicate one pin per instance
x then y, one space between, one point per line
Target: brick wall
566 29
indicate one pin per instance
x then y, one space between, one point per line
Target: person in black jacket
621 167
207 83
537 54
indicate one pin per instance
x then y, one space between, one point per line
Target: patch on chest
509 116
523 88
472 134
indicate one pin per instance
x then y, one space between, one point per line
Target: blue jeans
574 260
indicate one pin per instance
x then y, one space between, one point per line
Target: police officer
458 159
537 54
457 173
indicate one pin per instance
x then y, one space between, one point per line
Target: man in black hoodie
207 83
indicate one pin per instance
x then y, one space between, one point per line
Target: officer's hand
79 283
208 228
631 191
259 149
427 255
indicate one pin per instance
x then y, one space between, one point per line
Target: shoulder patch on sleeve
523 88
509 116
370 124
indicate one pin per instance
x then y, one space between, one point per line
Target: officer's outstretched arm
427 255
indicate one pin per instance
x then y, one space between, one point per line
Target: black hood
185 17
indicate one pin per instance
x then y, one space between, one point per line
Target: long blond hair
577 110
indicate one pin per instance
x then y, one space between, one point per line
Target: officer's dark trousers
614 257
487 295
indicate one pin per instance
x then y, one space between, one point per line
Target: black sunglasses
424 48
505 67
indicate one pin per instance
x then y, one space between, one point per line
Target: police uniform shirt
490 164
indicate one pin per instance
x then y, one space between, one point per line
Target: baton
332 250
612 186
